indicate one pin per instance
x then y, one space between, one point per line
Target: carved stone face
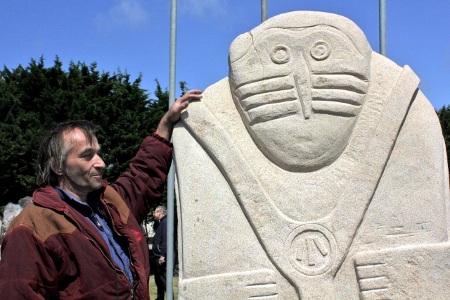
299 88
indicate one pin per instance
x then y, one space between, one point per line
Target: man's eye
87 155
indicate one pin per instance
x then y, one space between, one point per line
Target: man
80 238
159 250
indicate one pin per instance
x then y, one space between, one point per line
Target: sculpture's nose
302 80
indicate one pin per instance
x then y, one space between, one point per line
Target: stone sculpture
315 170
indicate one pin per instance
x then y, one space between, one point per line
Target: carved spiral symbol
280 54
320 51
312 249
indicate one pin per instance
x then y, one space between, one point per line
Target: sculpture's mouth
278 97
268 99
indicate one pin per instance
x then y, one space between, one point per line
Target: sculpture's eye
280 54
320 50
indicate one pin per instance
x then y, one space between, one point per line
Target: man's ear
57 170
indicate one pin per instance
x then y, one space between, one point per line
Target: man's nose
99 163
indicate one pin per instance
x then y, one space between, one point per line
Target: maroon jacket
51 251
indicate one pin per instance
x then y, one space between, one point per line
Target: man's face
82 172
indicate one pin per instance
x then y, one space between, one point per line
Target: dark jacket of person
159 247
51 251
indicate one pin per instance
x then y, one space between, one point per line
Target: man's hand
161 260
173 115
181 104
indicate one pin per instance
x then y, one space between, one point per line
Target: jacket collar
48 197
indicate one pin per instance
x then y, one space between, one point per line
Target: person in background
1 227
1 232
159 250
80 238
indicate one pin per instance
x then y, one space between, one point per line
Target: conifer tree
444 118
35 97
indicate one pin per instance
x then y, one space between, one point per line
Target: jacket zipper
136 280
100 249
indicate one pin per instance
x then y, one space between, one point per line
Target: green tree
36 97
444 118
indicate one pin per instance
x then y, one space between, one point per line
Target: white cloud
124 14
203 7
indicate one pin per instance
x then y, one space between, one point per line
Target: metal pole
171 175
263 10
383 27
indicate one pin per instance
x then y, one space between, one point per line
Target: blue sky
134 35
